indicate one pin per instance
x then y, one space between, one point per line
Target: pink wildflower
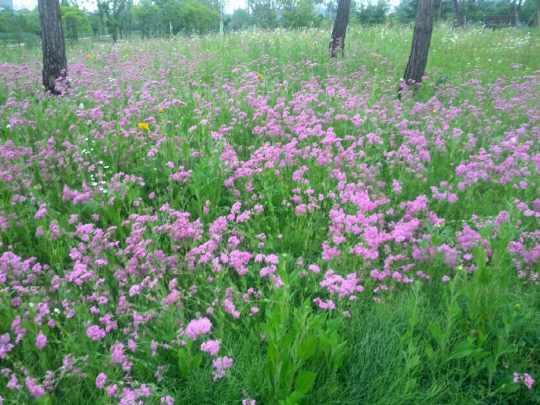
100 380
198 327
41 340
212 347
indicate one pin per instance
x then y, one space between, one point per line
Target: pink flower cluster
220 365
198 327
525 378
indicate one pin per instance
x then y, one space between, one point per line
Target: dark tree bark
457 14
513 7
420 43
337 43
54 47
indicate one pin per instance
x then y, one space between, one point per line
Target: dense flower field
240 220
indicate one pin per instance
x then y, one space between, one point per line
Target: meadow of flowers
240 220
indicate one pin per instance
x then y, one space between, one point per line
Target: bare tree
54 48
514 8
420 43
455 5
337 42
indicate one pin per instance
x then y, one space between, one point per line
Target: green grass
427 342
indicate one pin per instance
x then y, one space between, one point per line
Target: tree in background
405 11
264 12
474 10
116 14
373 13
455 5
240 19
93 18
54 47
146 14
12 26
300 14
530 12
75 22
420 44
191 17
337 42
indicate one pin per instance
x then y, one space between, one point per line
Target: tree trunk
54 47
456 9
420 43
440 10
337 43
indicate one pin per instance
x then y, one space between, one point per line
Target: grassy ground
344 246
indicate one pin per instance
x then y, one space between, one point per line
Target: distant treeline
162 18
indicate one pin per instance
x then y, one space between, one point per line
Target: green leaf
413 362
406 338
269 369
294 398
429 351
196 361
510 388
508 379
462 350
307 348
411 384
324 344
183 364
436 332
287 340
286 373
45 400
271 353
316 321
304 381
455 310
339 355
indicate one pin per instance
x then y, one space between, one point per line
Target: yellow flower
434 111
518 307
89 56
259 76
160 110
142 125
